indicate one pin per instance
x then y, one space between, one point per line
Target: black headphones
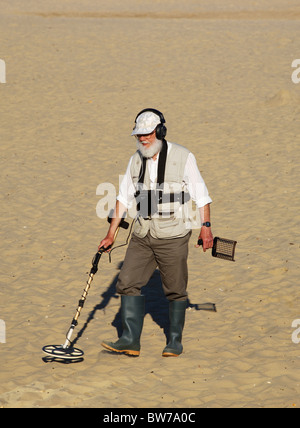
161 130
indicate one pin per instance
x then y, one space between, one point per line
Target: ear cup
161 131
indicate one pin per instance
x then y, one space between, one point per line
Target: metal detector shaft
93 270
74 323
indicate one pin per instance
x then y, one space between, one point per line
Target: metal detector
67 351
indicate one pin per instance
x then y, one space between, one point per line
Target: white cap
146 123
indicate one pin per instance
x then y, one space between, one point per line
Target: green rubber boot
177 318
132 315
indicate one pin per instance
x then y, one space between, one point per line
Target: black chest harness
148 201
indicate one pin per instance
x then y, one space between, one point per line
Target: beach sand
77 73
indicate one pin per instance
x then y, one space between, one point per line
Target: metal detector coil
58 351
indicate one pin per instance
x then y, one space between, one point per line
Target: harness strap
162 163
142 171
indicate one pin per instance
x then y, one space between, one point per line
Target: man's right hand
106 243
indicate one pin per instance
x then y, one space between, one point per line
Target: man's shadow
156 305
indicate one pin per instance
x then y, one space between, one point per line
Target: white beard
150 151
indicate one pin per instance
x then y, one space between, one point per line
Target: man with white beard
160 178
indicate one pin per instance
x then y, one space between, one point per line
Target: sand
77 73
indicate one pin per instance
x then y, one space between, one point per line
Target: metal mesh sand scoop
222 248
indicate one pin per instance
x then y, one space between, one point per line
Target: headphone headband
153 110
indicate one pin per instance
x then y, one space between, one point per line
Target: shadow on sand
157 306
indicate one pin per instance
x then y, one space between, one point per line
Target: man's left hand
207 238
